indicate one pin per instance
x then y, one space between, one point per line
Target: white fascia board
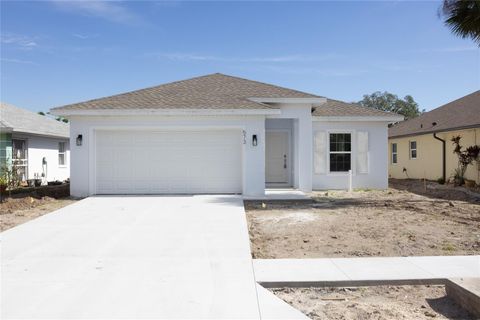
289 100
389 119
165 112
40 134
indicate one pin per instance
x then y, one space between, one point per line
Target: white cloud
272 59
325 72
84 36
109 10
21 41
447 49
17 61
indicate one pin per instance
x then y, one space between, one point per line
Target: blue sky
59 52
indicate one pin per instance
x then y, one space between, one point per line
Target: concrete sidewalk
363 271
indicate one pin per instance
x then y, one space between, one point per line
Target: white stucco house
223 134
36 144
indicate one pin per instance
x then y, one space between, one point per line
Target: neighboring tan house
36 144
416 146
223 134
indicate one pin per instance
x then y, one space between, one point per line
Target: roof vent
434 124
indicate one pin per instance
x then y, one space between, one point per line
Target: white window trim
351 152
393 153
64 165
410 149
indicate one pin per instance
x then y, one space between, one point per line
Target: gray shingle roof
461 113
21 120
214 91
336 108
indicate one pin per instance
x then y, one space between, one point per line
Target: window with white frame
20 158
340 152
413 149
62 155
394 153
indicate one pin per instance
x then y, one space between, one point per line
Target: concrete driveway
131 257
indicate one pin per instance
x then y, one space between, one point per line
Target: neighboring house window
61 154
413 149
340 152
394 153
20 158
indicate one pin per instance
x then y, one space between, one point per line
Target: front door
277 157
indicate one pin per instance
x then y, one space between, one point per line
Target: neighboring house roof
4 127
336 108
20 120
214 91
458 114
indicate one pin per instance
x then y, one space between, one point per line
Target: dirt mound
10 205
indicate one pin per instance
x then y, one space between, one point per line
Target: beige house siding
428 163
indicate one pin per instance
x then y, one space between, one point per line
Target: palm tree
463 18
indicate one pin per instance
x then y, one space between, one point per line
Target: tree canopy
390 102
463 18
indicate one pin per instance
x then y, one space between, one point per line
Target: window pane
61 159
19 149
394 147
340 142
394 158
61 147
414 154
339 162
413 144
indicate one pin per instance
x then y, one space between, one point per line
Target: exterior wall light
79 140
254 140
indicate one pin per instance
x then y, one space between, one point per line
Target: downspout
444 170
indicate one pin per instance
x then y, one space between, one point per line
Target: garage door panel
141 162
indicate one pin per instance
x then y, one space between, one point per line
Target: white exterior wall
83 158
377 176
40 147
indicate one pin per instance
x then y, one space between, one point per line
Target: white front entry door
156 162
277 157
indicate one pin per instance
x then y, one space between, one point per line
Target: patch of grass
448 247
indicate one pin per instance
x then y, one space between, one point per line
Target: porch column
254 158
305 152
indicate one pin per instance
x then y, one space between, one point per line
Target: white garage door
156 162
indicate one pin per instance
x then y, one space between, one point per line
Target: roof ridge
32 113
136 90
436 110
448 103
441 117
356 104
28 121
267 84
205 88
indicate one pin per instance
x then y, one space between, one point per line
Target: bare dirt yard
404 220
376 303
15 211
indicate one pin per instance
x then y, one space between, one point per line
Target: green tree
463 18
390 102
41 113
62 119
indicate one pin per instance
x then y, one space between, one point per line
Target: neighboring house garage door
156 162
